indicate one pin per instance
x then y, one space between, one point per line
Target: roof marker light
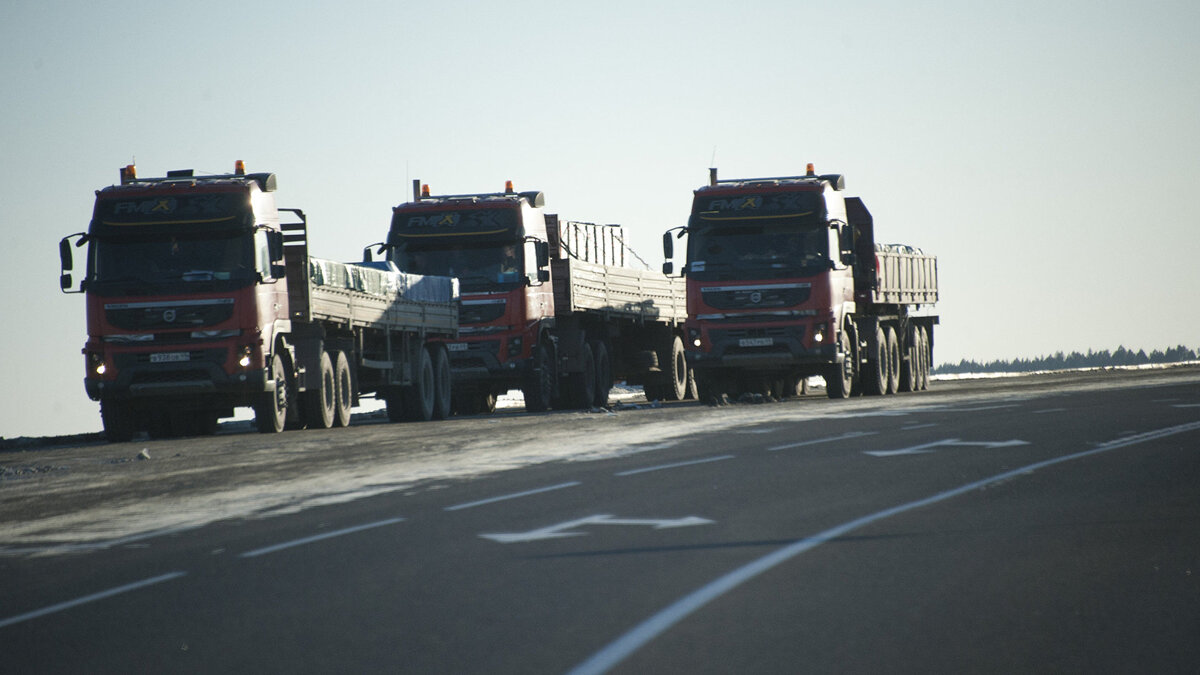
811 169
239 168
425 190
508 187
128 173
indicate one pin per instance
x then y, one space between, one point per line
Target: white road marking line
1186 405
90 598
673 466
928 447
618 650
914 427
318 537
564 529
845 436
1049 410
515 495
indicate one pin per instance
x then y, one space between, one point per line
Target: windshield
481 267
169 262
749 250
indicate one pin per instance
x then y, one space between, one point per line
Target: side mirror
543 275
275 246
668 268
64 254
668 245
543 256
65 283
278 271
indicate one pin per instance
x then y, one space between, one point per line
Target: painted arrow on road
565 529
929 447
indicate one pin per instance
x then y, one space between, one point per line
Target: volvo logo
169 315
756 297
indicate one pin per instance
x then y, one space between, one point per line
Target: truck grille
151 315
480 313
752 297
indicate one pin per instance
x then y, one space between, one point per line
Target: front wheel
270 412
839 382
118 421
539 381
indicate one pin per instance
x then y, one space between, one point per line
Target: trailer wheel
677 372
604 377
270 411
893 360
910 362
581 386
926 358
343 390
420 395
839 382
118 421
320 404
538 389
441 382
711 387
875 376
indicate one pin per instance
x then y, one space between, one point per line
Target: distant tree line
1061 361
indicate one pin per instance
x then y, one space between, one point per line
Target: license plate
457 346
756 342
170 357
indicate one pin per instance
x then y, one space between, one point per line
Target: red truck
548 306
785 281
200 300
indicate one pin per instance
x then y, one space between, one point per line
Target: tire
710 387
206 422
419 396
320 404
693 390
538 388
604 379
893 360
910 364
840 380
581 386
441 382
117 418
343 390
270 412
875 375
926 358
677 372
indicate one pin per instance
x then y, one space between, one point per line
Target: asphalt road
1033 524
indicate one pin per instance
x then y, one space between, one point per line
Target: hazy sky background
1047 152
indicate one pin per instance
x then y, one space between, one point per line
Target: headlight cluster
514 346
96 363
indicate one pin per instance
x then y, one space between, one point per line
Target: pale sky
1047 152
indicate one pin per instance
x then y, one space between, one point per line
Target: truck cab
496 245
769 278
184 286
